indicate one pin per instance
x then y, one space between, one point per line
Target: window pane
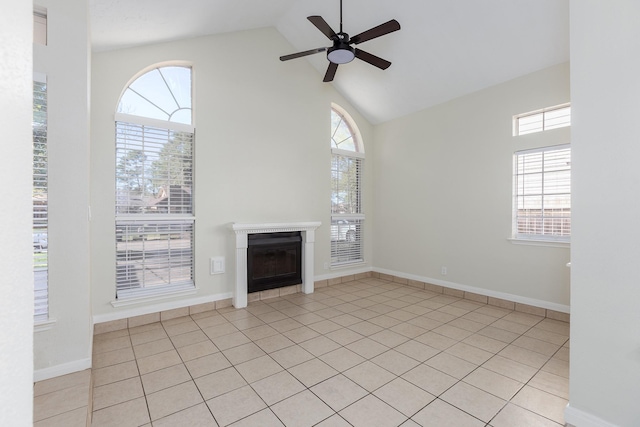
341 133
345 174
162 93
558 118
543 193
152 255
346 241
40 199
154 170
530 124
551 118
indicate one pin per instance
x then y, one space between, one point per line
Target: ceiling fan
342 52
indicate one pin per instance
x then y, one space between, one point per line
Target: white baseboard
480 291
581 418
158 307
63 369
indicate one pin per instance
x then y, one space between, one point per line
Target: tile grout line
384 290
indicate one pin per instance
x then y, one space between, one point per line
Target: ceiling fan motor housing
341 52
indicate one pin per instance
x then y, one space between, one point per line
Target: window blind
346 239
346 215
154 170
153 256
542 180
40 199
154 210
346 174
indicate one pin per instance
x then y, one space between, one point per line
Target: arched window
347 156
154 181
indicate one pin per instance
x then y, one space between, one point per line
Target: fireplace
274 260
242 232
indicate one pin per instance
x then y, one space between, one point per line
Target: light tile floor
365 353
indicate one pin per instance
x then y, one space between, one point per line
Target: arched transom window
162 94
347 157
154 182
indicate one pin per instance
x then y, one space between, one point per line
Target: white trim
274 227
543 149
146 121
481 291
537 242
348 217
44 325
128 219
160 295
63 369
39 77
361 267
308 234
156 308
581 418
347 153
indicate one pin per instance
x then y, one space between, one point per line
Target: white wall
443 194
605 282
16 260
262 152
66 347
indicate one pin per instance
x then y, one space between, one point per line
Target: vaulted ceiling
445 49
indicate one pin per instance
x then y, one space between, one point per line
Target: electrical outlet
443 270
326 265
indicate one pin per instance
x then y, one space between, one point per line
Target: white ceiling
445 49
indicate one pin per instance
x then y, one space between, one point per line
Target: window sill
347 265
534 242
155 297
44 325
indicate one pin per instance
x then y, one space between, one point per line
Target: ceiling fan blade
380 30
383 64
331 72
322 25
301 54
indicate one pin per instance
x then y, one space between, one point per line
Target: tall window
154 182
347 156
542 191
40 200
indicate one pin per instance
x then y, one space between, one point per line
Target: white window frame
555 117
144 237
347 246
562 222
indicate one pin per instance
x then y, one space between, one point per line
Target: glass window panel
162 93
178 80
40 198
543 193
133 103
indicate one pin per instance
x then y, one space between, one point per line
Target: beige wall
66 346
605 272
16 259
262 152
443 194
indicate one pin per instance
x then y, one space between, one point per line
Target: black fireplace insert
274 260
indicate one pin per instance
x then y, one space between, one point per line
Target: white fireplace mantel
242 230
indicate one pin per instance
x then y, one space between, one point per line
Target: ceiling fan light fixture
341 54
